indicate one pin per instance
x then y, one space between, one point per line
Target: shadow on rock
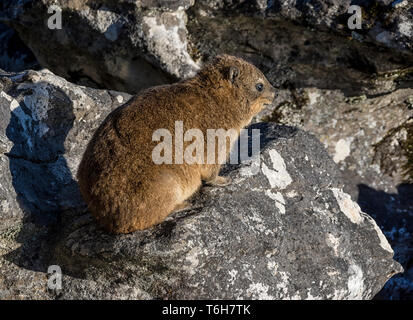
46 190
393 212
40 175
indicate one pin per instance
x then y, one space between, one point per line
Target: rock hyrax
123 187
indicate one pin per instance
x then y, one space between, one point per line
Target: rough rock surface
128 45
372 152
353 89
385 22
286 232
356 98
38 127
120 45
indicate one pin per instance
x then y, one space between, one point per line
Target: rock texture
353 94
41 114
121 45
353 89
384 22
129 45
287 232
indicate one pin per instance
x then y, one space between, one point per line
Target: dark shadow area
294 56
393 213
41 177
15 56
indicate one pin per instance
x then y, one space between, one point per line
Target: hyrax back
124 188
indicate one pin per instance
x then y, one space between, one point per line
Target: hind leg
157 209
165 198
142 209
219 181
142 206
211 177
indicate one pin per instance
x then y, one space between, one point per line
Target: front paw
220 181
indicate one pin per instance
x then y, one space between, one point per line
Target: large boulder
286 231
129 45
41 119
354 95
120 45
370 138
382 21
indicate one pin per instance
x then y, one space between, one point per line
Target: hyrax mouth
268 102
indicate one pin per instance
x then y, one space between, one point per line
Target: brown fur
124 189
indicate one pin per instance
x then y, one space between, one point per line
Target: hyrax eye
259 87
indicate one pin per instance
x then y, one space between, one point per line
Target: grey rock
386 22
370 139
41 119
283 233
130 45
118 45
287 231
354 96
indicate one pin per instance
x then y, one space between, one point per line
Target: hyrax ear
233 73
